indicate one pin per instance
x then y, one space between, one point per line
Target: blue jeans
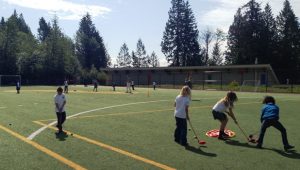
181 131
276 124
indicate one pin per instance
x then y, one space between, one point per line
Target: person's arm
63 105
231 114
57 106
187 112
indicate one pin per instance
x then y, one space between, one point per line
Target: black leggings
61 118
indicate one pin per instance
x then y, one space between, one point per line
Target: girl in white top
225 105
181 114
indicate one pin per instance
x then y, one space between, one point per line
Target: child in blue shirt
270 117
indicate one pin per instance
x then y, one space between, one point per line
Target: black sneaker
185 144
222 138
287 147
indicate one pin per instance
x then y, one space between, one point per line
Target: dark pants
181 131
61 117
275 123
132 87
66 89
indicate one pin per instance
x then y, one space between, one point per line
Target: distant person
132 85
181 115
128 89
60 102
18 87
114 86
66 89
95 85
154 85
188 83
270 117
225 105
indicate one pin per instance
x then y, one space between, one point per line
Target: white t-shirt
66 83
181 103
59 99
221 107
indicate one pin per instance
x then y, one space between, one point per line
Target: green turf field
117 130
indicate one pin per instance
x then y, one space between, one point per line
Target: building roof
200 68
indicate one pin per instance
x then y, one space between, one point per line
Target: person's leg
265 124
59 121
177 130
183 133
281 128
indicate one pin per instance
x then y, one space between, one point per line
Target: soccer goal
250 85
9 80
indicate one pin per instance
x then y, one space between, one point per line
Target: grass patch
143 129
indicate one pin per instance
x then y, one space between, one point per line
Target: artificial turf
122 134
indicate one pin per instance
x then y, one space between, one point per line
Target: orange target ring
215 133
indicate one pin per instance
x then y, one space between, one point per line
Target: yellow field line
145 160
43 149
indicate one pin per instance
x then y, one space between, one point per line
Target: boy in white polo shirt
181 114
60 102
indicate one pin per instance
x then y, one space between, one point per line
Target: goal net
250 85
9 80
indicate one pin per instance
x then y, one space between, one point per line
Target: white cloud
63 9
221 16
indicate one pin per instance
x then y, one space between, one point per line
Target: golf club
248 138
201 142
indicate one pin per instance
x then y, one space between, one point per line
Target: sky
125 21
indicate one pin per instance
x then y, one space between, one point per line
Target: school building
259 74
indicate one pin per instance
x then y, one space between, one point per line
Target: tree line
52 56
255 36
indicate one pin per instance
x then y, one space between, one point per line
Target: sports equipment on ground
247 138
201 142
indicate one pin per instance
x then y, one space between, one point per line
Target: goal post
10 80
250 85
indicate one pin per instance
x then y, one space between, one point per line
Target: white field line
34 134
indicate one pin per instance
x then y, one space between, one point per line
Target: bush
234 85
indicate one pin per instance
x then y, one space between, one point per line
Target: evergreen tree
23 27
2 23
124 58
153 60
289 43
43 30
90 48
180 44
135 60
270 38
9 46
246 35
141 54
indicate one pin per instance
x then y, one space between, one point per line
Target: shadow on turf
289 154
61 136
199 151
